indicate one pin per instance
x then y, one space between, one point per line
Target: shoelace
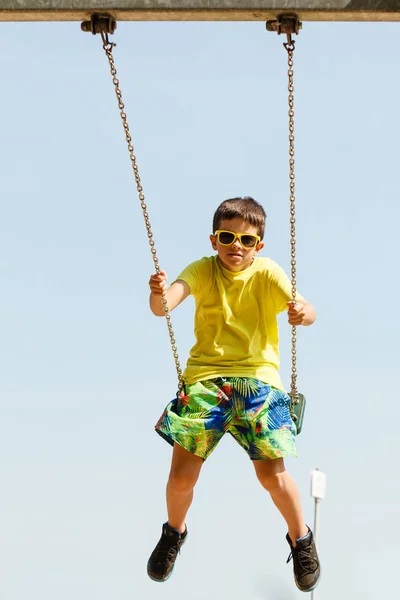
165 550
306 561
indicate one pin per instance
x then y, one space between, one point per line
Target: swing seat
297 410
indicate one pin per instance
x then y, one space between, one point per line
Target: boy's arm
175 294
301 313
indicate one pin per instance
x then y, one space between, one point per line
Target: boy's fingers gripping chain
158 282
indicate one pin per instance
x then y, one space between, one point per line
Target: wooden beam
200 10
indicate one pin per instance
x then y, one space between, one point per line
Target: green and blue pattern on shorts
256 414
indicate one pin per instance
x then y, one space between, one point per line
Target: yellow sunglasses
246 240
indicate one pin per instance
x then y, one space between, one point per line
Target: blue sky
87 369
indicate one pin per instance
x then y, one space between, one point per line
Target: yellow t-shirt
235 321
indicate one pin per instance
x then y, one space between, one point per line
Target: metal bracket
285 24
100 24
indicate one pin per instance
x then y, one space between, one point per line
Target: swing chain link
290 24
290 46
108 48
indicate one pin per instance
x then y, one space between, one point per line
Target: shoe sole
172 570
311 589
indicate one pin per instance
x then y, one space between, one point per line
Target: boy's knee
182 480
272 480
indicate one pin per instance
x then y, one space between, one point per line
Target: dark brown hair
244 208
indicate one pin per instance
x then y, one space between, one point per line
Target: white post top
318 484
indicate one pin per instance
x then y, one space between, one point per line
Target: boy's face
235 257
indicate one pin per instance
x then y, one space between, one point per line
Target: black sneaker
305 562
162 560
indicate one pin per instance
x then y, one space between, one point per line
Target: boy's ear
213 242
260 246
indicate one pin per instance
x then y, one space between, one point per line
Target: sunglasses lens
225 237
249 241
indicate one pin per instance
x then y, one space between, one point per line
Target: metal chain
108 48
290 46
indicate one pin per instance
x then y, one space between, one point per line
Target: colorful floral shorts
257 415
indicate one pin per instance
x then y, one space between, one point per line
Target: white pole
316 517
316 524
318 488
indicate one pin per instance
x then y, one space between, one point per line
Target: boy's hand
158 283
296 313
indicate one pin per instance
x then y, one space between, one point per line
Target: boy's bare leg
185 470
284 493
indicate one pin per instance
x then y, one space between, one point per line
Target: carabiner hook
290 44
106 42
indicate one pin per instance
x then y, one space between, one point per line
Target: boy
231 380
